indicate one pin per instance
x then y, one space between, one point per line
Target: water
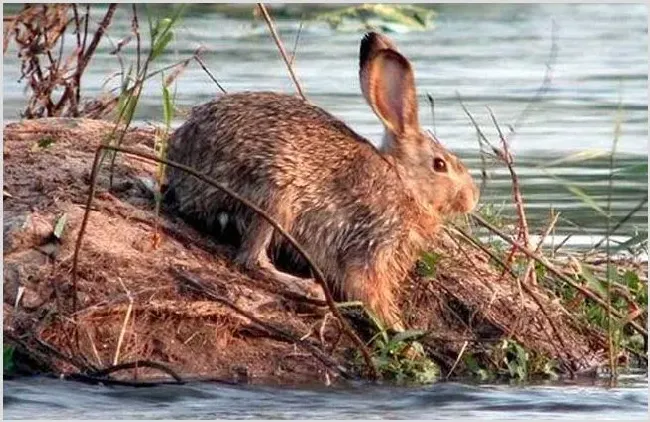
42 398
490 55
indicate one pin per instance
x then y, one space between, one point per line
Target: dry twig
283 53
558 273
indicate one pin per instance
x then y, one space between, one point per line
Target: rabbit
363 213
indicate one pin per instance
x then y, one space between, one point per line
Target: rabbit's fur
363 214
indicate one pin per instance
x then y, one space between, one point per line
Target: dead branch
137 364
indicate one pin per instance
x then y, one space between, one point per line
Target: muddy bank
177 299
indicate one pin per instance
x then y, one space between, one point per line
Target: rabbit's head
437 178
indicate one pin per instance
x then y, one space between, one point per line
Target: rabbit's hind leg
254 256
366 284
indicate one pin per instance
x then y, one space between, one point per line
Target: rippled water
490 55
26 399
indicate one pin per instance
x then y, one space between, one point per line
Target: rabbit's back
272 147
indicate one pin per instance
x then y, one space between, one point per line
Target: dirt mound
177 298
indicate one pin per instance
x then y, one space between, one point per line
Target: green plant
426 265
493 213
161 34
8 364
160 149
400 358
516 359
619 288
381 15
475 369
509 360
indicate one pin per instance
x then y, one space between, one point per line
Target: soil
157 288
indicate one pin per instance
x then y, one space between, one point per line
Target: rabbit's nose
467 199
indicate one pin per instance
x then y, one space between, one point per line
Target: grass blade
584 197
168 109
577 157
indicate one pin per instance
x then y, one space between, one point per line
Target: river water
44 398
488 55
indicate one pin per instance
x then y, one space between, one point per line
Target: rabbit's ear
371 43
391 92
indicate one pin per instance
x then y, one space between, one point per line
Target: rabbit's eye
439 165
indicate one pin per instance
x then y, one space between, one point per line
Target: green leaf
378 325
60 225
427 372
128 107
161 26
161 44
43 143
517 367
428 262
550 369
631 279
579 193
408 335
126 79
592 282
161 34
168 109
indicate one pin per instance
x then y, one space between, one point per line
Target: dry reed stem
295 44
321 331
504 156
551 226
86 54
135 28
92 345
530 268
127 316
558 273
283 53
460 355
318 275
205 68
523 233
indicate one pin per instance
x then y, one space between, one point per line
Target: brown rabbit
363 214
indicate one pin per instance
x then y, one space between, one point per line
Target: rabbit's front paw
313 290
